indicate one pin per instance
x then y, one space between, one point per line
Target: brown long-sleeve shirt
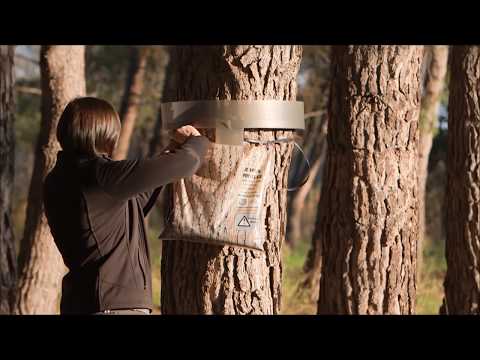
95 209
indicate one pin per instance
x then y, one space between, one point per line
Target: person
96 208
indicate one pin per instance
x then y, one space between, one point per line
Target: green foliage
293 302
430 285
439 149
155 246
429 288
314 76
106 72
445 92
27 104
107 68
27 120
27 127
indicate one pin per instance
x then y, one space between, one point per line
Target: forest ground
429 286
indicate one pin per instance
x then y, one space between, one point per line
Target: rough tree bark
131 99
206 279
433 86
40 263
369 221
8 254
462 281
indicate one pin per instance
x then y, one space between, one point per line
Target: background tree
462 281
206 279
314 93
7 153
156 143
436 68
159 138
369 217
41 266
27 126
110 72
131 99
310 281
107 69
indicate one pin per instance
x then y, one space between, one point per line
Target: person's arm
127 178
147 199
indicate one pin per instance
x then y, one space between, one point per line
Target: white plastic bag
223 203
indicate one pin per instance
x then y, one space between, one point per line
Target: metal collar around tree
230 118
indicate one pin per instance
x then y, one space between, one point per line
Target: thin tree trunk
207 279
131 100
297 201
369 221
312 267
158 140
62 78
8 266
297 204
315 95
462 282
434 82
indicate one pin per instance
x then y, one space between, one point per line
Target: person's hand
180 135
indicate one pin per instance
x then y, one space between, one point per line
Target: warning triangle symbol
244 222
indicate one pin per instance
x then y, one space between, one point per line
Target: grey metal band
231 117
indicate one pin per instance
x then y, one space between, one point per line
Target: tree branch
28 90
26 58
312 114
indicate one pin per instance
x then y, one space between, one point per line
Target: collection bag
223 203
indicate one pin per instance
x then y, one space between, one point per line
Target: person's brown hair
89 126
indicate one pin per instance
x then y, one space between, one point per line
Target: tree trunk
207 279
131 100
8 254
62 78
315 96
369 218
462 282
297 199
297 204
312 266
434 81
159 139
